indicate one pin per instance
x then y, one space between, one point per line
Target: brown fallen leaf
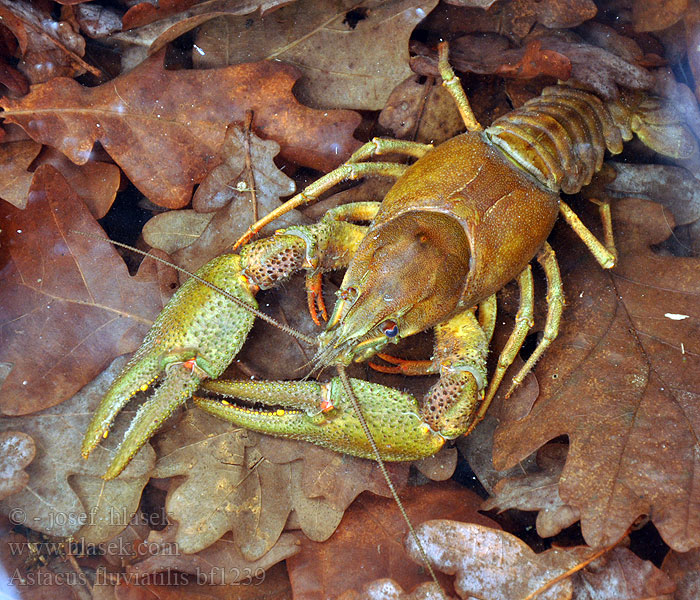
535 62
654 15
350 54
246 494
48 48
423 112
469 552
173 123
220 564
369 542
17 450
96 183
189 584
65 495
622 382
388 589
684 569
538 491
247 185
516 18
556 53
172 21
15 158
69 304
674 187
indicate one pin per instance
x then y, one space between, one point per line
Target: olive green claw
323 415
195 337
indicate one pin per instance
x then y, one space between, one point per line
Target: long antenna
261 315
350 393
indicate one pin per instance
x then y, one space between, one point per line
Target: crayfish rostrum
461 222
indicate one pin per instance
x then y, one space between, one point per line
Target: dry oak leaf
48 48
17 450
165 128
96 183
388 589
494 564
655 15
220 564
247 184
370 540
69 305
65 494
423 112
489 563
351 54
622 381
684 569
245 494
171 21
538 490
15 158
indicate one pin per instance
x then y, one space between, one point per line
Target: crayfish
462 221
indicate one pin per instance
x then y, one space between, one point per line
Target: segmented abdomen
559 137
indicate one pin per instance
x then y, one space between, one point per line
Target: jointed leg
606 219
523 324
344 172
604 256
451 82
555 307
487 316
378 146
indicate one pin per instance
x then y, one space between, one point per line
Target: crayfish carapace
461 222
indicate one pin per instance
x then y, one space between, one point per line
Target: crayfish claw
179 383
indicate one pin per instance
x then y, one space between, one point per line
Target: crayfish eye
350 294
390 329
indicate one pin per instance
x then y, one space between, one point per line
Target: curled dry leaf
351 54
538 490
172 123
674 187
70 305
388 589
654 15
48 48
171 20
95 183
370 540
246 185
17 450
560 54
467 550
423 112
219 564
15 158
684 569
628 344
65 494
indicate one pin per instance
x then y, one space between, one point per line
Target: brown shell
504 212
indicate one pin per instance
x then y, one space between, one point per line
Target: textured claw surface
300 410
199 324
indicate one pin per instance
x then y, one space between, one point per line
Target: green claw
323 415
195 337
